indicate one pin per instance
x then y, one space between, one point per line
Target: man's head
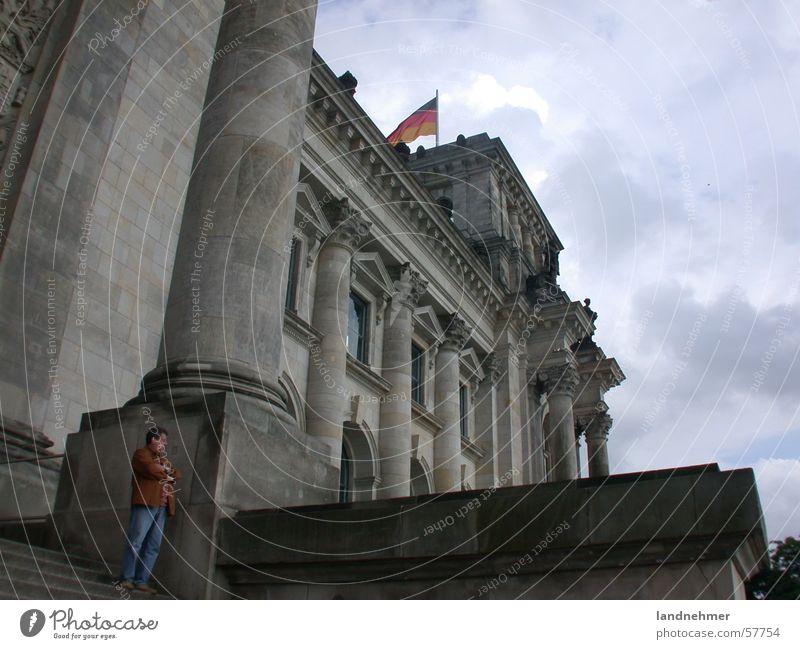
156 440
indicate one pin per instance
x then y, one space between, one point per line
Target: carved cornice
361 372
471 449
349 226
298 329
424 418
560 379
410 286
456 332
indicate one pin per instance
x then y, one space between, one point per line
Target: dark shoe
146 589
126 584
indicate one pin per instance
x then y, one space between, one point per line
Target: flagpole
437 117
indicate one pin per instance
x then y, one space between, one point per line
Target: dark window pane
291 282
417 384
462 403
357 328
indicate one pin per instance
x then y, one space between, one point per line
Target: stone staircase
30 572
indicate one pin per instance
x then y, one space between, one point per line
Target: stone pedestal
395 435
232 458
447 443
560 383
327 397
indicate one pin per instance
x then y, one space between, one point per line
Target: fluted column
560 383
447 442
327 396
596 444
222 328
394 443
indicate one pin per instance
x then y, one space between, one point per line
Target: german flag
421 122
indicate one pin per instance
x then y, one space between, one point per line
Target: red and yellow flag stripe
421 122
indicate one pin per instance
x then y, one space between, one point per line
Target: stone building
202 229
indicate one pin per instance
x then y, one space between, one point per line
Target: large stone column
486 424
447 443
223 327
597 448
395 434
560 383
327 396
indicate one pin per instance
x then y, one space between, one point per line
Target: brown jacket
148 475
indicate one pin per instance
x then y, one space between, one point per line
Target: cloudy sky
662 141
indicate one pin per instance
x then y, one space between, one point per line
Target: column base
186 379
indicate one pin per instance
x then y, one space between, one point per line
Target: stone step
87 584
29 572
31 555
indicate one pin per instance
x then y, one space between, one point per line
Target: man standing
152 500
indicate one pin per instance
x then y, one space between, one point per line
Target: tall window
345 476
357 328
294 271
463 404
417 384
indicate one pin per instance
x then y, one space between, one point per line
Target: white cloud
485 94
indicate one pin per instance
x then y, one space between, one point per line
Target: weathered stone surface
587 539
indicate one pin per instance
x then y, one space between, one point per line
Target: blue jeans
143 543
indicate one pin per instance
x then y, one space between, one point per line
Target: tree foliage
782 579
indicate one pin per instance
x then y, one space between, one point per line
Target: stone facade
205 230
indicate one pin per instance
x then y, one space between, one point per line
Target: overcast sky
662 141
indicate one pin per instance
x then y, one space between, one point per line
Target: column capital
491 368
349 225
599 426
410 286
560 379
456 332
